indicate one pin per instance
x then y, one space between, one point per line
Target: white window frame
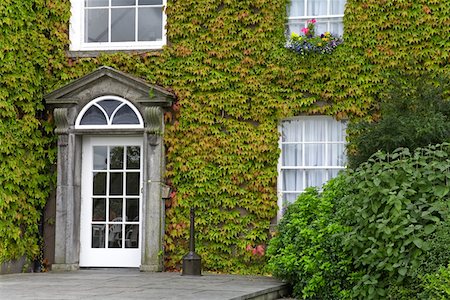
303 20
77 32
109 119
281 168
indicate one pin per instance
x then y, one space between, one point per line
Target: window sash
316 167
141 39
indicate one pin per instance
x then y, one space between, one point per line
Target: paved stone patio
132 284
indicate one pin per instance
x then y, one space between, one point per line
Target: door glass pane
115 209
133 157
96 24
132 210
98 236
122 24
116 156
116 184
131 236
100 157
93 116
132 184
99 183
125 115
150 24
109 106
99 209
115 236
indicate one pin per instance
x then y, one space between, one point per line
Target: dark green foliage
394 203
415 112
307 251
376 232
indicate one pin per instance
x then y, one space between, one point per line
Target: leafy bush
399 201
437 285
381 231
307 250
415 112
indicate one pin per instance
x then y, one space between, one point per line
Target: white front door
111 202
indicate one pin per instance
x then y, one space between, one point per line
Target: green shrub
415 112
394 203
437 285
307 251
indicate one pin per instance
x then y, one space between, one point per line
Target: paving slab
131 284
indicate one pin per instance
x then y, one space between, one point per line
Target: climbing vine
234 80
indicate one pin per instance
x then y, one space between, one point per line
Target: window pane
150 24
316 177
116 184
100 157
97 3
99 183
133 157
132 210
122 24
297 8
116 156
98 236
292 155
109 106
125 115
337 28
321 27
99 209
293 180
315 129
150 2
292 131
93 116
115 209
122 2
131 236
337 7
133 184
96 24
115 236
290 197
336 155
315 155
317 8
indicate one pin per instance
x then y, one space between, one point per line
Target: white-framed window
109 112
328 15
312 152
117 24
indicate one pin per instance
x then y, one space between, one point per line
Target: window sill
95 53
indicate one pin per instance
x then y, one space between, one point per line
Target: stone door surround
67 102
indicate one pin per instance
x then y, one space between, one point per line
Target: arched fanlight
109 112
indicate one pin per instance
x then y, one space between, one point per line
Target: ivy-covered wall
234 80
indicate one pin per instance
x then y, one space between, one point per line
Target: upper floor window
328 14
117 24
312 152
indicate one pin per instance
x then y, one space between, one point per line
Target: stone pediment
108 81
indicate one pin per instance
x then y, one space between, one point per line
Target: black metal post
192 262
